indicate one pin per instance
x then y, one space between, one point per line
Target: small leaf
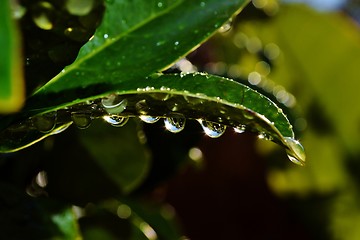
11 75
216 100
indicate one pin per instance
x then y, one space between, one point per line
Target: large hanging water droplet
295 151
116 121
175 124
212 129
46 122
114 104
149 119
81 120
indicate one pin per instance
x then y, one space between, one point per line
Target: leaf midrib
78 62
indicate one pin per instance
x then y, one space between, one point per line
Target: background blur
305 56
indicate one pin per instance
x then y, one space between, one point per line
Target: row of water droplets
114 106
112 109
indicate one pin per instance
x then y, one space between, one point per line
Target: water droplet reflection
114 104
175 124
149 119
212 129
295 151
116 121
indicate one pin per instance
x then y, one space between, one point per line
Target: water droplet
115 120
160 4
149 119
176 43
202 4
46 122
114 104
262 135
106 36
212 129
226 26
81 120
295 151
240 129
159 43
175 124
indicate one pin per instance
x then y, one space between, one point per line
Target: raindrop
175 124
114 104
106 36
295 151
115 120
202 4
176 43
212 129
264 136
160 4
81 120
149 119
226 26
240 129
46 122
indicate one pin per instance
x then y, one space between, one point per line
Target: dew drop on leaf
240 129
226 26
81 120
115 120
149 119
295 151
114 104
175 124
46 122
212 129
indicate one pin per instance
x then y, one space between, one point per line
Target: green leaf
213 100
11 77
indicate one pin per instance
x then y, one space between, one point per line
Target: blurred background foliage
141 182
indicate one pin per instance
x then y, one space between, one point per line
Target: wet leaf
11 75
214 101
